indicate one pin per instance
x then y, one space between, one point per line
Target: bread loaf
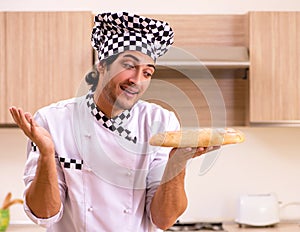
203 137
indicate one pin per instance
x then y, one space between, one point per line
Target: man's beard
118 102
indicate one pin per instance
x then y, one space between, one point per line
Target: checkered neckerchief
113 124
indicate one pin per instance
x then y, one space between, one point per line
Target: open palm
37 134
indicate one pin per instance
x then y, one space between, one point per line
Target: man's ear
100 67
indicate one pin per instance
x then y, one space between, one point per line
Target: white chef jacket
106 182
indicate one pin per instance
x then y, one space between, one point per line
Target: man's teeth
129 90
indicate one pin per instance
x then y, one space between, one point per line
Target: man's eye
128 66
148 74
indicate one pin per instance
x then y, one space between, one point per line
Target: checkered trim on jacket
114 124
71 163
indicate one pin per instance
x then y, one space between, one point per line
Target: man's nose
136 76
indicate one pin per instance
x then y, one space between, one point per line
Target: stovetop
199 226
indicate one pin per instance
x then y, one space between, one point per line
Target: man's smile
130 90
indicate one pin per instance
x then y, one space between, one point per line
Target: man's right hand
33 131
42 196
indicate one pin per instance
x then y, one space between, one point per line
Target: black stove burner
213 226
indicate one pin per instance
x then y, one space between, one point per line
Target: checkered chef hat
117 32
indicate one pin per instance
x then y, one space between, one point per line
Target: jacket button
129 173
126 210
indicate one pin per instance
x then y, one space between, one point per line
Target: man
90 167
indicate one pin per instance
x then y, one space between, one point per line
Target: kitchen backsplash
268 161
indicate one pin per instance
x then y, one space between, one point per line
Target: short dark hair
92 77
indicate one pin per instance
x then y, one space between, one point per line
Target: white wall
154 6
12 160
268 161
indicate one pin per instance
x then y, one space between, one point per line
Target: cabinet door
2 63
275 66
47 56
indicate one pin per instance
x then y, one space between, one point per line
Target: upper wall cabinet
2 64
275 67
44 58
219 30
202 77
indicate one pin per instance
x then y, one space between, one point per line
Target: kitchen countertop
281 227
25 228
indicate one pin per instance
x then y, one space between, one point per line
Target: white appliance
258 210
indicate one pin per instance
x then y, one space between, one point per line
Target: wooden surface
47 56
202 97
50 54
275 69
2 63
221 96
192 30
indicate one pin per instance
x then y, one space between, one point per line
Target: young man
90 167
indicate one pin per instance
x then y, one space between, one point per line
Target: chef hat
117 32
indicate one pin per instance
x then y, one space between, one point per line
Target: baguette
204 137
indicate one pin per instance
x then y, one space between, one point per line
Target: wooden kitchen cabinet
274 67
44 57
204 95
201 98
2 62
